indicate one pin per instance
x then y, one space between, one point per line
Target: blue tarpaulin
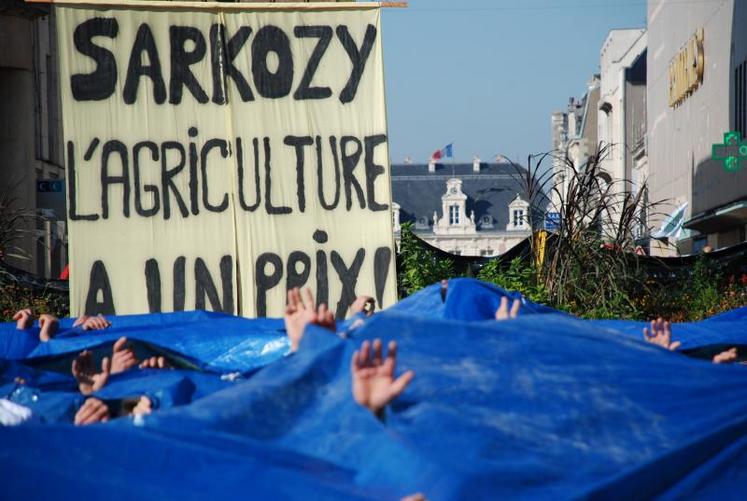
543 406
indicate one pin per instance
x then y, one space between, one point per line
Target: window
453 214
518 218
740 98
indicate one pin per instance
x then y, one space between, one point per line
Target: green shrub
419 267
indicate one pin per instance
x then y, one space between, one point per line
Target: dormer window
453 214
518 211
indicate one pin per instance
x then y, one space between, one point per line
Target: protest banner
219 156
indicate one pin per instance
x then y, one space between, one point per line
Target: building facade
697 92
31 133
465 209
574 133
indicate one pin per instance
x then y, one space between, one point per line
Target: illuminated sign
686 70
732 153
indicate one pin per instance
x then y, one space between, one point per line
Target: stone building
31 153
697 93
466 209
574 131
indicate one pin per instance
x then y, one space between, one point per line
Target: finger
377 358
100 411
128 359
390 362
308 299
365 354
399 384
18 315
84 412
503 308
392 350
674 346
355 362
161 363
646 334
120 344
515 308
106 365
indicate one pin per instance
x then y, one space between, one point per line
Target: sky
487 74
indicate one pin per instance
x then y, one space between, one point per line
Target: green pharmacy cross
733 153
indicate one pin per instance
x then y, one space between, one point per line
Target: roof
489 192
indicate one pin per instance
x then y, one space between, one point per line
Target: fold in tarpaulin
544 406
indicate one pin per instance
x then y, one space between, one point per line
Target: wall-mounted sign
50 186
732 153
552 221
686 70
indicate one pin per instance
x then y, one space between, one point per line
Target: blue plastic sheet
543 406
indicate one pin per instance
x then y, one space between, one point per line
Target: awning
723 218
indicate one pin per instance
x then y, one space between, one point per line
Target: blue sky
486 74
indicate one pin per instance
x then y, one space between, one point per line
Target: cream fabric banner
218 158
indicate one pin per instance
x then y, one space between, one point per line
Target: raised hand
92 323
300 312
503 313
48 326
725 357
24 318
123 357
85 373
660 335
155 363
92 411
374 386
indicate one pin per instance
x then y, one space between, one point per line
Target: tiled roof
489 192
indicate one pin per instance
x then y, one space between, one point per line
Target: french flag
445 152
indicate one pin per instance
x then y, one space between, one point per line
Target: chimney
431 165
476 164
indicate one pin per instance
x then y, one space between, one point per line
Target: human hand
300 312
123 356
143 406
661 335
92 411
155 363
374 385
85 373
725 357
48 326
92 323
363 304
24 318
502 313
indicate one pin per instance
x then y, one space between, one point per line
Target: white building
622 108
465 209
574 132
